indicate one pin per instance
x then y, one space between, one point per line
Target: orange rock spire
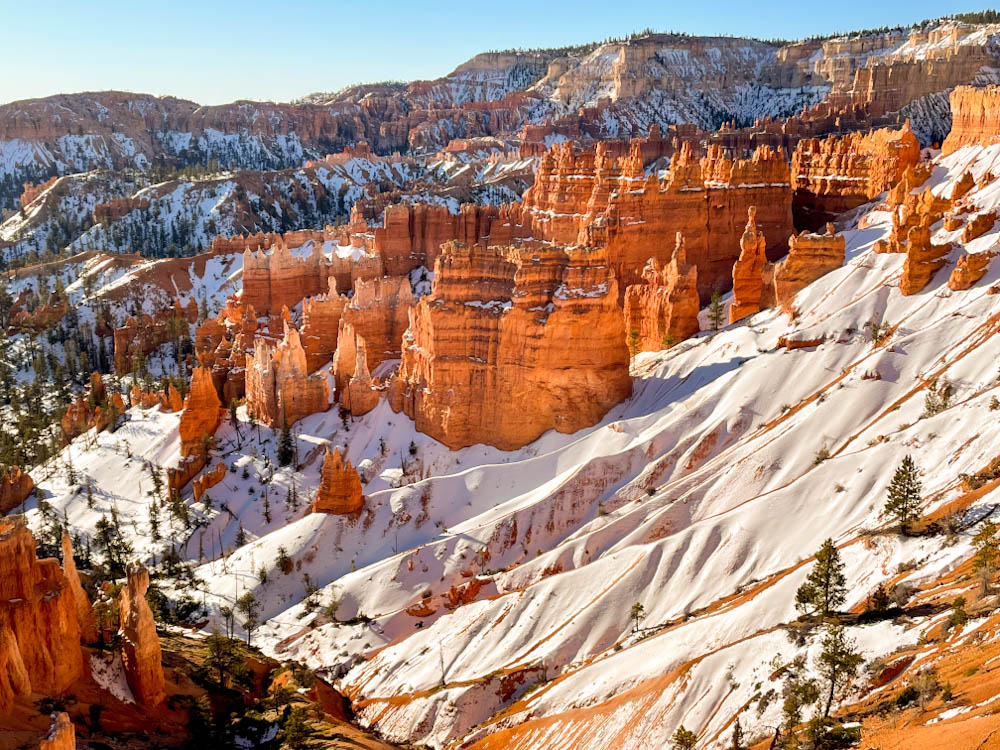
339 487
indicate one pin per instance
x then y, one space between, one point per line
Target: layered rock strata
512 342
837 173
39 625
141 654
198 423
279 389
339 488
664 309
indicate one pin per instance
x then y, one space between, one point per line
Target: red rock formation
320 324
115 209
378 315
281 278
84 612
204 482
809 257
923 259
664 310
339 488
970 268
38 619
748 285
493 355
979 225
837 173
62 734
582 199
975 118
14 680
15 486
140 645
138 338
279 390
198 423
32 191
412 234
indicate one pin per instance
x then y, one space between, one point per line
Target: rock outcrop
320 324
663 310
62 734
15 486
970 268
377 315
810 256
84 611
975 118
39 625
281 270
512 342
748 283
207 480
979 225
139 337
923 259
590 198
279 389
837 173
339 488
198 423
141 653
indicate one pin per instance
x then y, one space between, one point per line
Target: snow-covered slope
484 595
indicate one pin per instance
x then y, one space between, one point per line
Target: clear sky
214 52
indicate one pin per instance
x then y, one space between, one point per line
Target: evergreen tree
638 612
247 606
222 654
987 555
825 588
715 310
683 739
838 662
285 448
737 743
904 494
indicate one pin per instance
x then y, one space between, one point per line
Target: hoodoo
663 310
140 645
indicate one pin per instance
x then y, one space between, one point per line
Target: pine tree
737 743
825 588
683 739
987 555
247 606
285 448
637 613
715 310
838 662
904 494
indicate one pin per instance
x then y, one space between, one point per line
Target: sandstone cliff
39 625
279 389
837 173
15 486
975 118
512 342
198 423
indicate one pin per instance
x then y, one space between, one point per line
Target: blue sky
215 52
